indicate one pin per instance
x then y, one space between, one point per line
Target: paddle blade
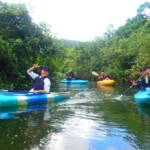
3 90
118 97
95 73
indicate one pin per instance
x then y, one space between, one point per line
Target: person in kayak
41 82
70 75
144 80
103 76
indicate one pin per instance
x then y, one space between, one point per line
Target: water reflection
12 112
107 89
87 121
72 87
115 143
75 135
143 109
86 129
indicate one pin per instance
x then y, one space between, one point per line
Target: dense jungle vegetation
120 53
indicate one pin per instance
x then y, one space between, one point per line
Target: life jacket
39 83
144 82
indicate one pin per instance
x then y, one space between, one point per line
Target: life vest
144 82
39 83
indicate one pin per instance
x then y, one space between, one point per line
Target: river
94 118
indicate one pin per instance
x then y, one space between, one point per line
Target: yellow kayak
106 82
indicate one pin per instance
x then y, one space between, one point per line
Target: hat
45 68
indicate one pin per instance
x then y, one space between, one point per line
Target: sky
82 20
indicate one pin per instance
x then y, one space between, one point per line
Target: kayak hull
142 97
106 82
74 81
15 99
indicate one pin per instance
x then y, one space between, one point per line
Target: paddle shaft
132 85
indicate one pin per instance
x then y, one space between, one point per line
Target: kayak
73 86
106 82
15 99
74 81
143 96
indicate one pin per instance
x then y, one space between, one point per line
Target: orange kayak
106 82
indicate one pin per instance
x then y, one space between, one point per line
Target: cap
45 68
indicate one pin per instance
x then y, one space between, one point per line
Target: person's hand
147 71
36 92
40 91
133 82
36 66
33 67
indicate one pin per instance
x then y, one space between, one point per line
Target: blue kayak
74 81
143 96
15 99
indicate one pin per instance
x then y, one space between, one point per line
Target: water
92 119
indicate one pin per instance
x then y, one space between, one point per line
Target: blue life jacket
39 83
143 87
142 84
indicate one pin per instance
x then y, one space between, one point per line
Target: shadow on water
90 120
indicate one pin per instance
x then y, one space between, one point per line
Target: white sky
81 19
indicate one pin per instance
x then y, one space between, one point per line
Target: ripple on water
89 120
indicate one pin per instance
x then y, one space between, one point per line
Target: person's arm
47 85
148 71
40 91
33 67
31 73
134 82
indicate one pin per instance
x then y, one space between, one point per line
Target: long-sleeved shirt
47 82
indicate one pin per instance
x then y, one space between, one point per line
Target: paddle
130 87
3 90
95 73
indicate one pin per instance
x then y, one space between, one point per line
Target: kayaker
70 75
144 80
103 76
41 82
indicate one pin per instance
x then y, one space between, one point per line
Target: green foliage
143 7
119 53
69 43
23 43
